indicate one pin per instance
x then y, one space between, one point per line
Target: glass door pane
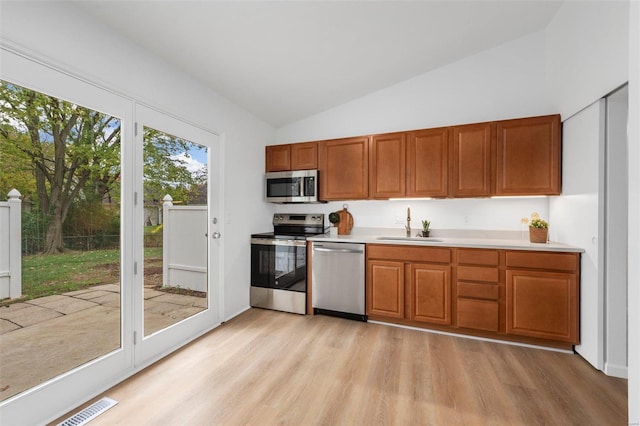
176 192
64 160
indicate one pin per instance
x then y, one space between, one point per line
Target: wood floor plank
267 368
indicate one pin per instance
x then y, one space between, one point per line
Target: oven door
279 264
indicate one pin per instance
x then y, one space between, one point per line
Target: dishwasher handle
335 250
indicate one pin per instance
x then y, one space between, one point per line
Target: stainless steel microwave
298 186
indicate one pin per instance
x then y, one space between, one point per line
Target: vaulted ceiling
287 60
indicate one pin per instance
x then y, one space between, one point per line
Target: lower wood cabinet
543 305
401 285
385 288
543 295
525 296
479 289
430 293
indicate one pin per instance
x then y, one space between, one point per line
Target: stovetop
274 236
297 226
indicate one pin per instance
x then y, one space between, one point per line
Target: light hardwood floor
266 367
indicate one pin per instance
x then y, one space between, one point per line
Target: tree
166 170
74 151
73 155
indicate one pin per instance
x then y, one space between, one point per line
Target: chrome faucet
408 225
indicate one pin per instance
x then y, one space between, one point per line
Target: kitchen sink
417 239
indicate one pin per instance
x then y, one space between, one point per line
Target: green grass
45 275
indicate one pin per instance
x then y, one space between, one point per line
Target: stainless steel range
279 262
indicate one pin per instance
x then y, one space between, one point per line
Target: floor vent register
89 413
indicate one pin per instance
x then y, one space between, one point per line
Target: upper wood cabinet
529 153
304 156
472 165
428 163
343 165
297 156
277 158
387 165
510 157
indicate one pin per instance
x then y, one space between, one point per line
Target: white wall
634 213
73 41
466 214
505 82
587 53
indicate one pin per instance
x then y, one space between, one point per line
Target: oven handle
268 242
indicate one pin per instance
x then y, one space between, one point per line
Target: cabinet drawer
477 257
478 291
477 273
408 254
542 260
478 314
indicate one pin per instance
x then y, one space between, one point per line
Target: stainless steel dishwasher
337 279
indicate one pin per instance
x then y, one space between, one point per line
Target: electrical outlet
400 220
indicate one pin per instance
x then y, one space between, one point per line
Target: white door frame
153 347
48 401
65 392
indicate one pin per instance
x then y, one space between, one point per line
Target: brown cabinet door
529 152
278 158
304 156
430 287
542 304
478 314
387 165
428 163
473 164
343 165
385 288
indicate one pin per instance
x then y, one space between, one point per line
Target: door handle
216 235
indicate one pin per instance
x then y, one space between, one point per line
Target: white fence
11 246
184 241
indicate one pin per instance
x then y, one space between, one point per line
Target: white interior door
178 233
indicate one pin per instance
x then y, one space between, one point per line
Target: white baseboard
237 313
614 370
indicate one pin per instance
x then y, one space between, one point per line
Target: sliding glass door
116 228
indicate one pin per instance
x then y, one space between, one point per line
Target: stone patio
43 338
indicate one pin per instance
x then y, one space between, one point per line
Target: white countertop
512 240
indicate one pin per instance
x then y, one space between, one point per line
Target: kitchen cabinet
298 156
387 165
428 163
409 283
385 288
430 293
508 157
343 165
543 295
479 290
517 295
304 156
472 168
278 158
529 156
